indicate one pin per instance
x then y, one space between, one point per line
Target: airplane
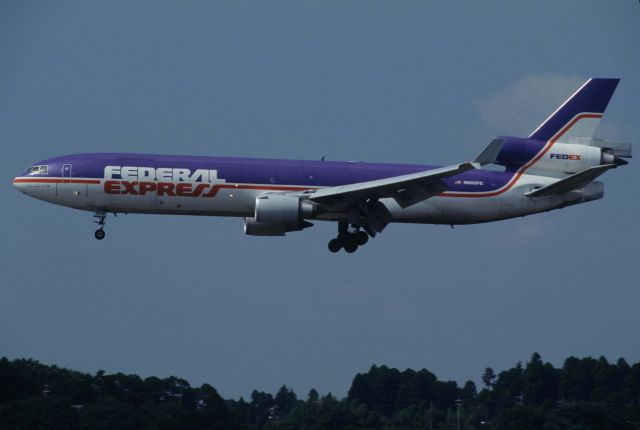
554 167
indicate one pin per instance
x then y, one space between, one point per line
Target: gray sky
371 81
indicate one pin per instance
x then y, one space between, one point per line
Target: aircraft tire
334 245
350 246
99 234
361 238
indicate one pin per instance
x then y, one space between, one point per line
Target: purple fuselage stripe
269 171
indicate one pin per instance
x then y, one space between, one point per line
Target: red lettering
129 187
213 191
147 186
183 189
165 188
199 189
112 187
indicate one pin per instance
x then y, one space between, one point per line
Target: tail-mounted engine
576 155
571 158
277 214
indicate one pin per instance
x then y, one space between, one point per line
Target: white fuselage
239 200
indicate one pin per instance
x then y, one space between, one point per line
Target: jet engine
277 214
572 158
569 158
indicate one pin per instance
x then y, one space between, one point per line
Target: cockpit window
38 170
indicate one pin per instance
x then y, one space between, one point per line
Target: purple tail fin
580 114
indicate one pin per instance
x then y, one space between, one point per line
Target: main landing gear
348 238
101 217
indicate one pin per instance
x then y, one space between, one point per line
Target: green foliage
584 394
488 377
585 416
520 418
34 396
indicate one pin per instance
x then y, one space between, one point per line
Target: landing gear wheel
334 245
101 217
350 246
350 237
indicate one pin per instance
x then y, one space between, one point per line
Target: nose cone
20 184
36 187
29 179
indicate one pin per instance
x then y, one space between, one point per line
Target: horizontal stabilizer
490 153
571 183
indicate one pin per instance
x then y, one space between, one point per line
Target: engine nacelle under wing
277 214
257 228
277 208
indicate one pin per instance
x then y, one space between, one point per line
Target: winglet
488 154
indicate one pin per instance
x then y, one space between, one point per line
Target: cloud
520 107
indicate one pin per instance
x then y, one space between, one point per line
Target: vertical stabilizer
580 114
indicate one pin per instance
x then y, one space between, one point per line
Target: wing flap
572 182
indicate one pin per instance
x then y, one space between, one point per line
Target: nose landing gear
349 238
101 217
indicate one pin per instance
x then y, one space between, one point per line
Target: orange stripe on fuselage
216 186
55 181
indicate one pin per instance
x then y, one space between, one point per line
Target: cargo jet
554 167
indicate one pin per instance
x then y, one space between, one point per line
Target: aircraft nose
18 184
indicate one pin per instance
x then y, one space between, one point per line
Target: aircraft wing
572 182
407 189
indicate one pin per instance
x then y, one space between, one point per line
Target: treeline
584 394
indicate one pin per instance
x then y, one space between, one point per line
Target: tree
261 407
540 381
284 401
597 395
577 379
377 389
313 395
508 388
212 409
607 381
416 387
488 378
631 385
520 418
585 416
469 391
